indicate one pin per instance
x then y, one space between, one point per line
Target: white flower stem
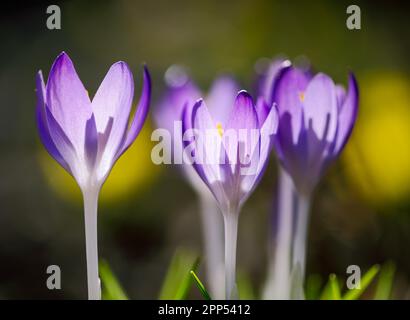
279 282
212 231
90 216
231 234
300 239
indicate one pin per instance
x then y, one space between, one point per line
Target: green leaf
332 289
111 288
200 286
385 283
355 294
178 279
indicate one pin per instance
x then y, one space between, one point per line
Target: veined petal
211 154
289 94
262 109
187 125
209 145
68 101
42 124
267 131
221 98
270 77
320 107
91 142
65 147
113 100
243 121
140 113
347 114
340 96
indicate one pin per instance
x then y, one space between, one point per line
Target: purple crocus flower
316 118
230 160
86 137
181 91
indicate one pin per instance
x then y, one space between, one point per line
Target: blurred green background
361 212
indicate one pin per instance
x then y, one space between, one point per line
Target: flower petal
209 144
242 123
113 100
68 101
91 142
347 114
140 113
42 124
65 148
320 107
269 78
288 94
262 109
340 96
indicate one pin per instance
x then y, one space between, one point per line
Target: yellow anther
301 96
220 129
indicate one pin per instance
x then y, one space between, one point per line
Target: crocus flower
230 161
181 91
86 137
316 118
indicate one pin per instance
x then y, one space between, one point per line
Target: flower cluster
227 136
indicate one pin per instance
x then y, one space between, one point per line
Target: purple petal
221 98
347 115
340 96
243 115
209 144
42 125
262 109
243 119
268 129
113 100
320 107
216 169
242 142
68 101
188 118
140 113
91 142
270 77
64 146
288 94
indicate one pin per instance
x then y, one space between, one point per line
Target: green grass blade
178 279
355 294
332 289
385 283
200 286
111 288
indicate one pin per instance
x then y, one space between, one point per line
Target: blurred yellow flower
378 155
131 174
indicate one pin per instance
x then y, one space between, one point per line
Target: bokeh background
361 212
